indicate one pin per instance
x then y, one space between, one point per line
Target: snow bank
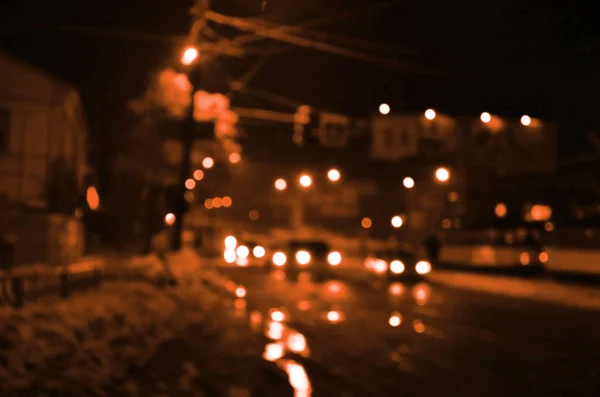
87 346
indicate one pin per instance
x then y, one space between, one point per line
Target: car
244 253
397 263
314 256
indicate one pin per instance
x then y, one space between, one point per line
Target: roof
20 80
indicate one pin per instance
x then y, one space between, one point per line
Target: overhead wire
280 35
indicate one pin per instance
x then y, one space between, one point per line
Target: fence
42 283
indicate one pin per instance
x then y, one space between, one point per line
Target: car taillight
279 259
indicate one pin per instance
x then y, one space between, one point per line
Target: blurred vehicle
397 263
519 250
314 256
244 253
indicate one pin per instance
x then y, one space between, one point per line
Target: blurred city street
267 198
425 339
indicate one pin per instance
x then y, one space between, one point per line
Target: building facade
42 161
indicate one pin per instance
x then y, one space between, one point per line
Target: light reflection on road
332 303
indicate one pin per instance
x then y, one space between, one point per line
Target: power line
313 44
340 16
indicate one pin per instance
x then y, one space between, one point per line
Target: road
420 339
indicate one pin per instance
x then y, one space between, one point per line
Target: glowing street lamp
280 184
189 55
384 108
442 174
190 184
305 180
526 120
397 221
170 219
430 114
334 175
208 162
485 117
408 182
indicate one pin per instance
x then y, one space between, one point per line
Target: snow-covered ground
91 344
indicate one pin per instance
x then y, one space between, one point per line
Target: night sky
508 58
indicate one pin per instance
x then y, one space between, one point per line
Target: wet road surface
418 339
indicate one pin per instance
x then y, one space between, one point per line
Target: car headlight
380 266
279 259
334 258
303 257
423 267
258 251
397 267
242 251
229 256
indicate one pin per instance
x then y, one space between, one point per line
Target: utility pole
190 132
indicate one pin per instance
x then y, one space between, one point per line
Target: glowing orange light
408 182
442 174
384 109
226 202
92 198
430 114
190 54
198 175
280 184
334 175
208 162
501 210
217 202
366 223
305 180
235 158
170 218
190 184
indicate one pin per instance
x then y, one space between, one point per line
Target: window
4 130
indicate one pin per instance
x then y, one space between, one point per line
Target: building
42 161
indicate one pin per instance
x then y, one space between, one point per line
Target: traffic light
306 126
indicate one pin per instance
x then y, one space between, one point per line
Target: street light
170 219
208 162
235 158
198 175
190 184
397 221
408 182
334 175
526 120
430 114
384 108
189 55
442 174
305 180
280 184
485 117
366 223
